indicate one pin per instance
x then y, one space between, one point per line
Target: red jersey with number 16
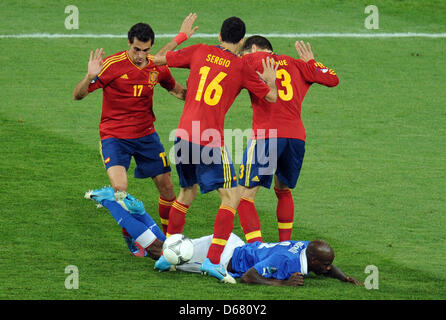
216 78
128 96
294 78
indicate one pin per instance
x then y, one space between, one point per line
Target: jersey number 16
213 91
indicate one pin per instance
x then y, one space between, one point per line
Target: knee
248 193
230 197
166 190
280 185
187 195
122 186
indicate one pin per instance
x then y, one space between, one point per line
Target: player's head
141 38
233 31
142 32
256 43
320 256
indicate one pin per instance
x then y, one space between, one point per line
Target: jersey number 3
287 94
213 91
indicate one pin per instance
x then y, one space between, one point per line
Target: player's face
139 50
321 266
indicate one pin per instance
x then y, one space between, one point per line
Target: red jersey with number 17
128 96
216 78
294 78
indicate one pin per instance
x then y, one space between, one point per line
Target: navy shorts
148 152
209 167
265 157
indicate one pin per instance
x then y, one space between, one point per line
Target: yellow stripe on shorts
226 168
249 162
100 152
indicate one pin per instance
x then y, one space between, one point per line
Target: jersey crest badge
153 78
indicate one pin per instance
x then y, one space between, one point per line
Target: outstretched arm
186 31
94 68
337 273
178 91
253 277
315 72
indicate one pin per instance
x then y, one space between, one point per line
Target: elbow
78 95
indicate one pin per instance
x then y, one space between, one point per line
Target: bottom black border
222 309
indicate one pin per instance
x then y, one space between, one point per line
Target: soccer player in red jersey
277 145
217 75
126 128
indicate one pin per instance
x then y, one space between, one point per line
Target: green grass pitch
373 183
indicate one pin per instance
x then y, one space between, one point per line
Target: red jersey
216 78
127 96
294 78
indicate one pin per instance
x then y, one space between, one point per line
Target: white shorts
201 248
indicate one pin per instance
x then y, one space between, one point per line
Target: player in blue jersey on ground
282 263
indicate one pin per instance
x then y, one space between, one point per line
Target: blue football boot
130 203
162 265
216 270
105 193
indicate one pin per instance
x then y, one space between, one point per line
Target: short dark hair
232 30
318 249
142 31
259 41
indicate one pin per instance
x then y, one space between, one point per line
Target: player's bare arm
269 76
337 273
187 29
253 277
95 64
304 50
179 91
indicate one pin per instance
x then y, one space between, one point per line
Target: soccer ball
178 249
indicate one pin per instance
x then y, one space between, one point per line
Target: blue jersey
271 260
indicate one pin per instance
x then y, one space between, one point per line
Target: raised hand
304 51
95 63
187 25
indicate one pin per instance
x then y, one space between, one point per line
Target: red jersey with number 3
294 78
216 78
127 104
